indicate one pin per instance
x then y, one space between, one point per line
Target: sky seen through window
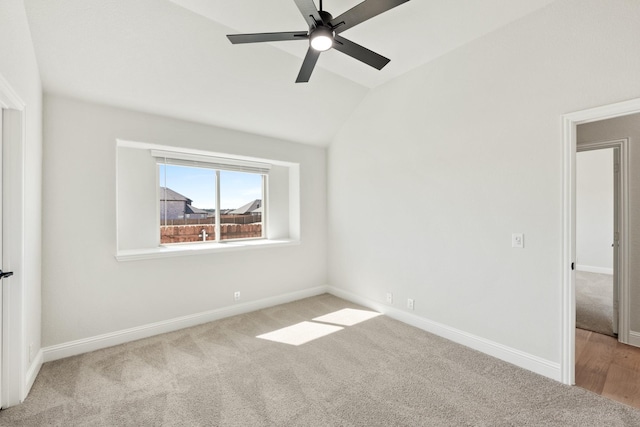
198 184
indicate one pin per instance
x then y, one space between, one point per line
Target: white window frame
218 164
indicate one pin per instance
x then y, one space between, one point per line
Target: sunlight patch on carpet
300 333
347 317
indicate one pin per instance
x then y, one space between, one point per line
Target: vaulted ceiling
171 57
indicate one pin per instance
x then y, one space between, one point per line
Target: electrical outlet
389 298
236 295
410 303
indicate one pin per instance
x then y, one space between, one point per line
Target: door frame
13 156
568 300
621 221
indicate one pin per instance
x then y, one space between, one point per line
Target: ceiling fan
323 33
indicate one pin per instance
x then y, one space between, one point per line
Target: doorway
599 205
568 308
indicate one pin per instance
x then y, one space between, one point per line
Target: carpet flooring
378 372
594 302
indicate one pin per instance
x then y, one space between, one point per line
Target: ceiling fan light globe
321 39
321 43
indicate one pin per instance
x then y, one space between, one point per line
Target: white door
1 286
617 179
11 367
3 275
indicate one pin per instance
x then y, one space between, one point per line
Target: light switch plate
517 240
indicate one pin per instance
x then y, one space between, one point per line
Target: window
212 185
206 198
241 199
187 203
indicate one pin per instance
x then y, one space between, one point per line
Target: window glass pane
240 205
187 204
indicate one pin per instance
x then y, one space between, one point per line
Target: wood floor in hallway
607 367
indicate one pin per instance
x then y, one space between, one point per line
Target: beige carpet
378 372
594 302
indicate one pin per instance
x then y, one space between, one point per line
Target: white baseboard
634 338
32 373
98 342
516 357
592 269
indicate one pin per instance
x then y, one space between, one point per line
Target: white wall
618 128
86 292
18 66
594 211
442 164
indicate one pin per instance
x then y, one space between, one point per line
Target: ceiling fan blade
307 65
360 53
267 37
309 11
363 11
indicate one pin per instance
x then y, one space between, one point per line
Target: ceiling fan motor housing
326 16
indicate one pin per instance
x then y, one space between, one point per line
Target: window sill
200 249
